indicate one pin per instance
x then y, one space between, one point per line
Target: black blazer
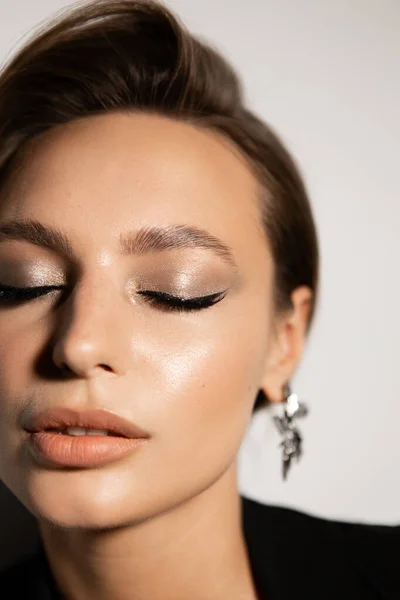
293 556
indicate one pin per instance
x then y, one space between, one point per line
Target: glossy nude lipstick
70 438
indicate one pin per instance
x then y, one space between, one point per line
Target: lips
60 418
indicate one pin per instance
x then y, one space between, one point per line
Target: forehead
121 171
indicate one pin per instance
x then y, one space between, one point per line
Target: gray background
325 74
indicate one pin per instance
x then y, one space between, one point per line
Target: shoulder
264 513
361 557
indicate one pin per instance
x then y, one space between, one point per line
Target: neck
194 550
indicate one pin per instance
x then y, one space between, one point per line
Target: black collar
296 555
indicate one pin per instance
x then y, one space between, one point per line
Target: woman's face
188 378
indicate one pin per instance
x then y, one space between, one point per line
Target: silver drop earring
286 425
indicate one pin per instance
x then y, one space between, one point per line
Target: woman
158 271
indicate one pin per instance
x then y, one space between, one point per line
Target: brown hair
124 55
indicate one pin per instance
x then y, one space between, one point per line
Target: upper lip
59 418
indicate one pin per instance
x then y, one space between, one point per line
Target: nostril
65 370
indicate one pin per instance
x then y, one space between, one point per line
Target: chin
89 499
70 520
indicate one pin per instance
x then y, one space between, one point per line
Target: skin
189 379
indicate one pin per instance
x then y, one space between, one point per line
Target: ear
287 345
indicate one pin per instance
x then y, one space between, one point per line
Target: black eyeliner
8 292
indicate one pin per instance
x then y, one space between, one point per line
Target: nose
92 335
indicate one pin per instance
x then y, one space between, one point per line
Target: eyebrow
144 240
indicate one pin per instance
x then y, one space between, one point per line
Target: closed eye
176 303
13 295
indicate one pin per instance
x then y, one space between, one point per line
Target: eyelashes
176 303
162 300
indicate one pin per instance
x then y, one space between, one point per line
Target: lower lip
81 451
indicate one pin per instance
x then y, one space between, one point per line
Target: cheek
206 377
23 339
18 352
18 356
15 360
